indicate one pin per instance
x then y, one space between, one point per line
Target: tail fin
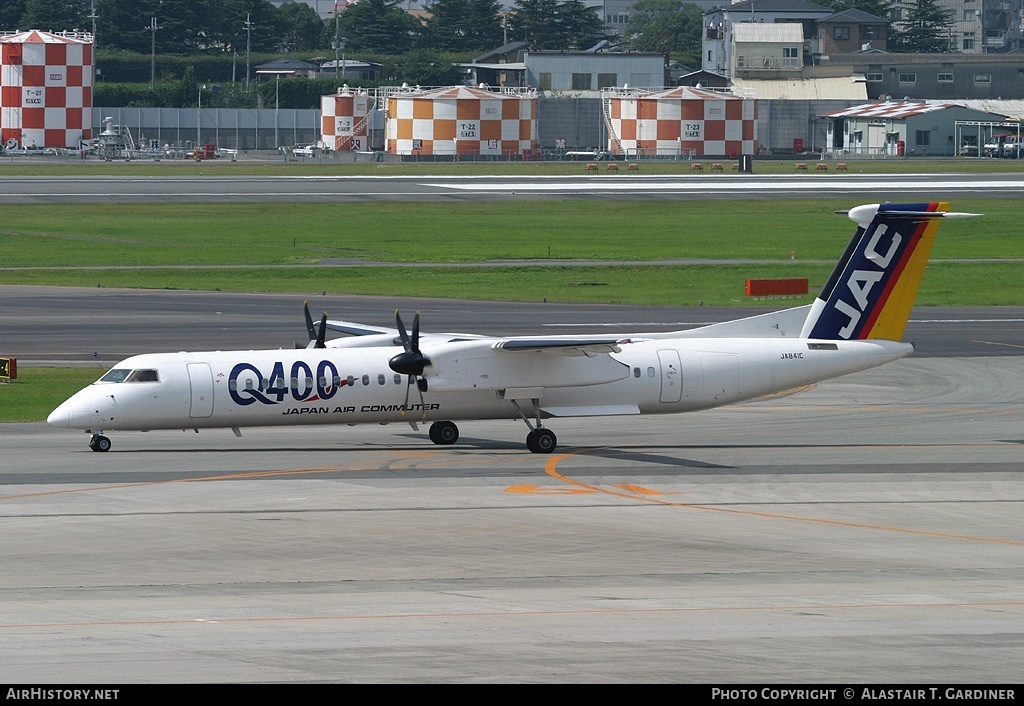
872 289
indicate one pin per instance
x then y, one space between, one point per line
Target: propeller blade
405 404
309 321
402 335
421 384
322 333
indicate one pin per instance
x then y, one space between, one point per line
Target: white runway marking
902 184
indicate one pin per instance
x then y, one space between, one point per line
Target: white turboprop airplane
855 323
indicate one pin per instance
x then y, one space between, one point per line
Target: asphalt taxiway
867 530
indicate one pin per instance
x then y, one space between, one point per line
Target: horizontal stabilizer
776 324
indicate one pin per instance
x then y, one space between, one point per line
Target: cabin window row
322 382
637 372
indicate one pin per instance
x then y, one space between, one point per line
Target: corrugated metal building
899 127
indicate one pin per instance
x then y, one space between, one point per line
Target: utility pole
152 53
92 16
199 117
337 40
248 42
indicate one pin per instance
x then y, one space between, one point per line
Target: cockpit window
126 375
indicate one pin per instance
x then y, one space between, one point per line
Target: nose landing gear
98 442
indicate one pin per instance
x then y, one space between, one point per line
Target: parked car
1012 146
1003 145
306 151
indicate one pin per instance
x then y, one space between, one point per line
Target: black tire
541 441
444 433
99 443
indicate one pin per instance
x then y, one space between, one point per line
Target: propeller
316 337
411 361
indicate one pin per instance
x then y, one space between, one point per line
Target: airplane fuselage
356 386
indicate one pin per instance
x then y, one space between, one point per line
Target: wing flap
604 410
563 345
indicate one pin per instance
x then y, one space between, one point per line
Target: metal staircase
606 102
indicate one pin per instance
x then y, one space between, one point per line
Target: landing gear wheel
98 442
444 433
541 441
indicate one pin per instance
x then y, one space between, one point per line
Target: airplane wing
523 367
370 336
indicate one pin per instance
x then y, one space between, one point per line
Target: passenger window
366 379
636 372
650 372
398 379
350 380
382 379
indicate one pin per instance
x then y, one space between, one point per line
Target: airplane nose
59 418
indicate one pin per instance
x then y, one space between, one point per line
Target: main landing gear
98 442
444 433
539 441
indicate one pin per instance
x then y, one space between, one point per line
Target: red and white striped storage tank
344 119
461 120
46 88
681 119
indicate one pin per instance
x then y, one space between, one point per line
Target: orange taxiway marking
551 468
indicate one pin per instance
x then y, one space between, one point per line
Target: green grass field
291 248
37 391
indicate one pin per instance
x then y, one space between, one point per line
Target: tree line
218 37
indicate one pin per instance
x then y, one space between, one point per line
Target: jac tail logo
861 282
